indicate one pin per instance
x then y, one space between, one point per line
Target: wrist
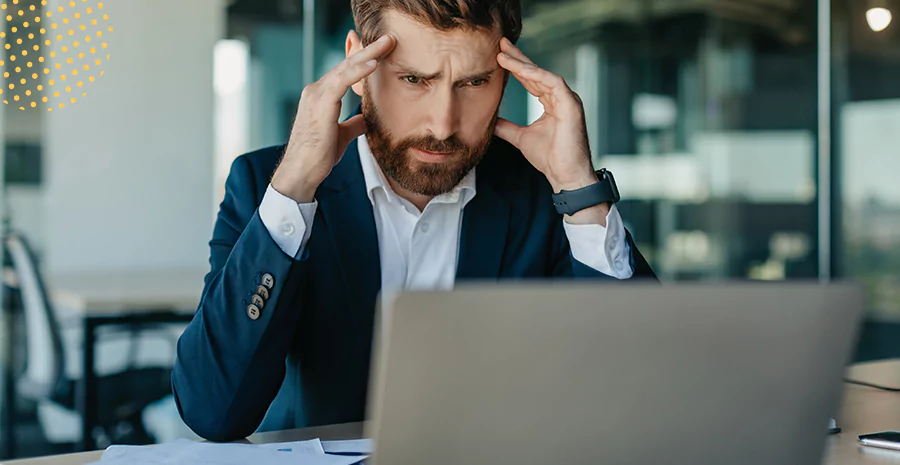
570 183
298 191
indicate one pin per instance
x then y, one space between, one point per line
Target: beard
429 179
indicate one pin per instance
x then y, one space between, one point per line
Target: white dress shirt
419 250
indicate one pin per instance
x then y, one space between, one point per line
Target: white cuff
602 248
288 222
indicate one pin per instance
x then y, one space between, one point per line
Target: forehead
420 44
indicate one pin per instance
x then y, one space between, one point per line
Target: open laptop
583 373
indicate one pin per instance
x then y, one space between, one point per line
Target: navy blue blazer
311 343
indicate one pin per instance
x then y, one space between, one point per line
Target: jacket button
253 312
268 280
263 291
258 301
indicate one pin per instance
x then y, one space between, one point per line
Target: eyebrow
430 77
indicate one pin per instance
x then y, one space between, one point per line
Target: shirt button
620 265
424 227
287 228
258 301
613 243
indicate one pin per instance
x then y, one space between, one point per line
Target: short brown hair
444 15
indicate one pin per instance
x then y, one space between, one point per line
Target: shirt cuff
288 222
604 249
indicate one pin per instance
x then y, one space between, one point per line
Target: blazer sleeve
229 367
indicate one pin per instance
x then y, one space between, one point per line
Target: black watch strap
571 202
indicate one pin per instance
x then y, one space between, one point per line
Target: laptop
580 373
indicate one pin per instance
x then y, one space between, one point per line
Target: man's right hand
317 139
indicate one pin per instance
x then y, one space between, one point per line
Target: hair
444 15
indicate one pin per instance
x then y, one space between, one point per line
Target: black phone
883 440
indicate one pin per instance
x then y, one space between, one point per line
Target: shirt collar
375 180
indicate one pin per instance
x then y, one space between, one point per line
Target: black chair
122 396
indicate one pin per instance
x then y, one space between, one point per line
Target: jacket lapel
348 215
484 229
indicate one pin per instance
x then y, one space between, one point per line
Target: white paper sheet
358 446
190 453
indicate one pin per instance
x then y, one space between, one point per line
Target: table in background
121 298
863 410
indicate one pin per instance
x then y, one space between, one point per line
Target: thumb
509 131
349 130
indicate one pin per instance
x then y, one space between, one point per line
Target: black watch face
608 176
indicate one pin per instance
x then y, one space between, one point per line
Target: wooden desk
325 433
864 410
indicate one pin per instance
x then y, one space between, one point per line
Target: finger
351 129
520 70
542 83
376 50
509 131
509 48
535 73
528 74
356 67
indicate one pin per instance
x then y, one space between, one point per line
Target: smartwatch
572 202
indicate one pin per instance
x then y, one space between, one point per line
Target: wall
129 169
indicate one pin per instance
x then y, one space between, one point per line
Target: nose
443 114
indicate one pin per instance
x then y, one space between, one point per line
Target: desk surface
117 292
864 410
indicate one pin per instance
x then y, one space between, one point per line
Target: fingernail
371 63
383 38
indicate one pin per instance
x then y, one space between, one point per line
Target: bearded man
424 188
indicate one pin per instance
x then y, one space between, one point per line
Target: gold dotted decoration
75 37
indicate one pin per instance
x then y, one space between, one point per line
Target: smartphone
883 440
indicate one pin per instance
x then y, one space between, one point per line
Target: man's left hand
556 144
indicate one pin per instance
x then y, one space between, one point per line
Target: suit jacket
310 344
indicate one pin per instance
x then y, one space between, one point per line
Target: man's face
432 104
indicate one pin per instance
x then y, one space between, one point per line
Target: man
390 199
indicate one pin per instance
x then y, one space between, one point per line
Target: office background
752 139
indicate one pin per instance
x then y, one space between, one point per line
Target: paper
189 452
358 446
313 446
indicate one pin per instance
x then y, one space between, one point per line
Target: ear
351 47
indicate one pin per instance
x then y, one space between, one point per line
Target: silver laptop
611 374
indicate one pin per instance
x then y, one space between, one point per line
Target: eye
412 79
478 82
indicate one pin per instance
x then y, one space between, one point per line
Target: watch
605 191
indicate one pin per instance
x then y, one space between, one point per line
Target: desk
864 410
121 298
326 433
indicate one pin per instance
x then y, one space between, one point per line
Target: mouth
432 157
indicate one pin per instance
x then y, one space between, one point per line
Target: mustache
434 145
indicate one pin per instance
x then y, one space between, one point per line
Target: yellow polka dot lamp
53 51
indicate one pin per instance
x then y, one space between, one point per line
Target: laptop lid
581 373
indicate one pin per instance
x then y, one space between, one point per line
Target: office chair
122 396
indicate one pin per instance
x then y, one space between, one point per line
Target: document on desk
356 446
189 452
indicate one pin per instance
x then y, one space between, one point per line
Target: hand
556 144
317 140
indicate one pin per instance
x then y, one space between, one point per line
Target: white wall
129 169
